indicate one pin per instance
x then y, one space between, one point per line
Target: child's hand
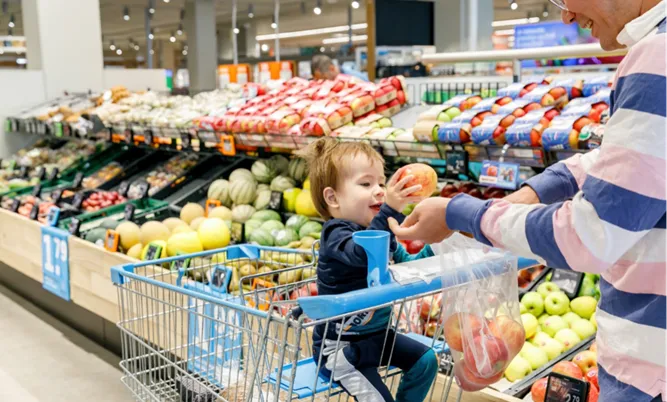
398 196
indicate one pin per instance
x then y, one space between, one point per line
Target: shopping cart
185 340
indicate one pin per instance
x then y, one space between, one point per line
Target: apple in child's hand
421 174
569 369
539 390
586 361
486 355
461 325
415 246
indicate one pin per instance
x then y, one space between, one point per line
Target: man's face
328 74
605 18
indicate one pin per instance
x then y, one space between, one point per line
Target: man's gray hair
321 63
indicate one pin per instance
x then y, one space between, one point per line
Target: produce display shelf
91 220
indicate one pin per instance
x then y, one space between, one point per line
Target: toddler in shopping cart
347 184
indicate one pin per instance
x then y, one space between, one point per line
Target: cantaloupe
135 251
173 223
213 233
129 234
196 222
191 211
154 230
185 243
182 229
223 213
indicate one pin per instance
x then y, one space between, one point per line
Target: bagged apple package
480 310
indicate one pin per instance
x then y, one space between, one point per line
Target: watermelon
310 227
272 226
298 169
109 224
239 174
219 190
261 187
282 183
296 221
261 237
284 237
264 171
281 163
96 236
262 200
251 225
243 191
241 213
266 216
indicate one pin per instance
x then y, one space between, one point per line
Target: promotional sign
55 261
499 174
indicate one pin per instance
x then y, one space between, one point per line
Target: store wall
21 89
136 79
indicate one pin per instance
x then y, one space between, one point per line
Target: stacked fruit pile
103 175
301 107
553 325
101 199
165 174
582 367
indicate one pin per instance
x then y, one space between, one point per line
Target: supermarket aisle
40 362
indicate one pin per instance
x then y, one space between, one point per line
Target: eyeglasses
560 4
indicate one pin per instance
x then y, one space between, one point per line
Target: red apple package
389 109
315 126
360 101
592 86
527 130
373 120
444 113
563 134
398 82
336 115
593 106
517 90
281 121
481 316
548 95
574 87
492 104
459 129
492 130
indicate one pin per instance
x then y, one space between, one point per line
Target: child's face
360 193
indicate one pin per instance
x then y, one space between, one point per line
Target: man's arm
621 199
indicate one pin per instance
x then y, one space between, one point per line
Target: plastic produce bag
481 316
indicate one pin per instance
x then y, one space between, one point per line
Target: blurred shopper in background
324 68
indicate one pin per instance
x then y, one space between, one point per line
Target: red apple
499 135
415 247
551 114
461 325
468 381
586 361
486 355
466 187
548 100
400 95
476 121
532 106
593 394
507 121
448 190
484 115
519 113
510 331
531 86
574 139
381 108
601 106
569 369
504 101
431 329
470 102
592 377
539 390
558 92
581 123
595 115
421 174
464 133
475 192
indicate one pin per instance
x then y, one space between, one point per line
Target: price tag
129 136
23 172
129 211
111 241
56 195
74 226
220 277
499 174
78 179
180 264
58 129
263 293
561 388
15 205
153 252
53 174
568 281
41 172
78 200
211 204
67 130
53 216
148 137
457 163
37 190
34 212
55 261
227 146
123 188
276 201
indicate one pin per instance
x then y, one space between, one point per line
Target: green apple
444 117
570 317
547 287
594 321
540 338
534 303
453 112
556 303
568 338
542 318
584 306
553 324
529 324
434 133
527 346
518 369
385 122
584 328
552 347
522 309
536 357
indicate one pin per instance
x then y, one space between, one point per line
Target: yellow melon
185 243
135 251
213 233
191 211
154 230
129 234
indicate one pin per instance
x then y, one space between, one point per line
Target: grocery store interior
160 239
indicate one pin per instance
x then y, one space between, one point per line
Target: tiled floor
43 361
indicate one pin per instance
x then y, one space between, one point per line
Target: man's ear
330 197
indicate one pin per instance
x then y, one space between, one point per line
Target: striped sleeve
622 195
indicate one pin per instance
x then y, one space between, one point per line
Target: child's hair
325 158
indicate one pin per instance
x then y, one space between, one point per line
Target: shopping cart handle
323 307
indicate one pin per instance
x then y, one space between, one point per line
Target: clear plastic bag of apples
481 316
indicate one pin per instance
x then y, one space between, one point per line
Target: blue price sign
499 174
55 261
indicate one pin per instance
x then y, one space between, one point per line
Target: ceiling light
504 32
355 4
274 25
545 13
151 10
185 52
172 38
265 47
151 35
322 49
318 8
152 51
11 21
311 32
2 51
513 5
344 39
179 31
166 1
518 21
112 46
236 31
251 11
126 13
119 52
21 61
136 47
